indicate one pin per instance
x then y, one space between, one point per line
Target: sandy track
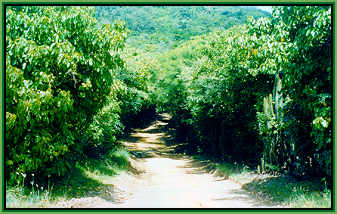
166 179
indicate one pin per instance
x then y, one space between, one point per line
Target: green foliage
104 129
303 134
59 72
168 75
208 96
134 92
94 176
261 91
167 26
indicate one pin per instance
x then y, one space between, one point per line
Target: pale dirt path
168 180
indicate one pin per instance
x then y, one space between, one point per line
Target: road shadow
280 189
243 195
197 166
78 185
164 143
155 140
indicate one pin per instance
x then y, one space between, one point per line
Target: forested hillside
166 26
242 87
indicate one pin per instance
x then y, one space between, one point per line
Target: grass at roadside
21 197
278 190
85 179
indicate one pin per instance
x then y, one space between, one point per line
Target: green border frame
161 2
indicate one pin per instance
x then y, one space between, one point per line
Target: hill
166 26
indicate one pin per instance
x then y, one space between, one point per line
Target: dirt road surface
165 179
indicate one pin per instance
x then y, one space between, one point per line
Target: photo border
161 2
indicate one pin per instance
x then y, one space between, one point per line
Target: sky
265 8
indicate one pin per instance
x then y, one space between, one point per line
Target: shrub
59 72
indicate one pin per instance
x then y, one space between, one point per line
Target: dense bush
135 93
260 93
208 96
298 134
59 73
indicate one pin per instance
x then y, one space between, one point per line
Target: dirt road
168 180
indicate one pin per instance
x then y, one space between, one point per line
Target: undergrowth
278 189
86 179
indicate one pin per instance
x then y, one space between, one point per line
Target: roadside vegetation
257 94
277 189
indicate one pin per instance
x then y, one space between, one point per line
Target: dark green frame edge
159 2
